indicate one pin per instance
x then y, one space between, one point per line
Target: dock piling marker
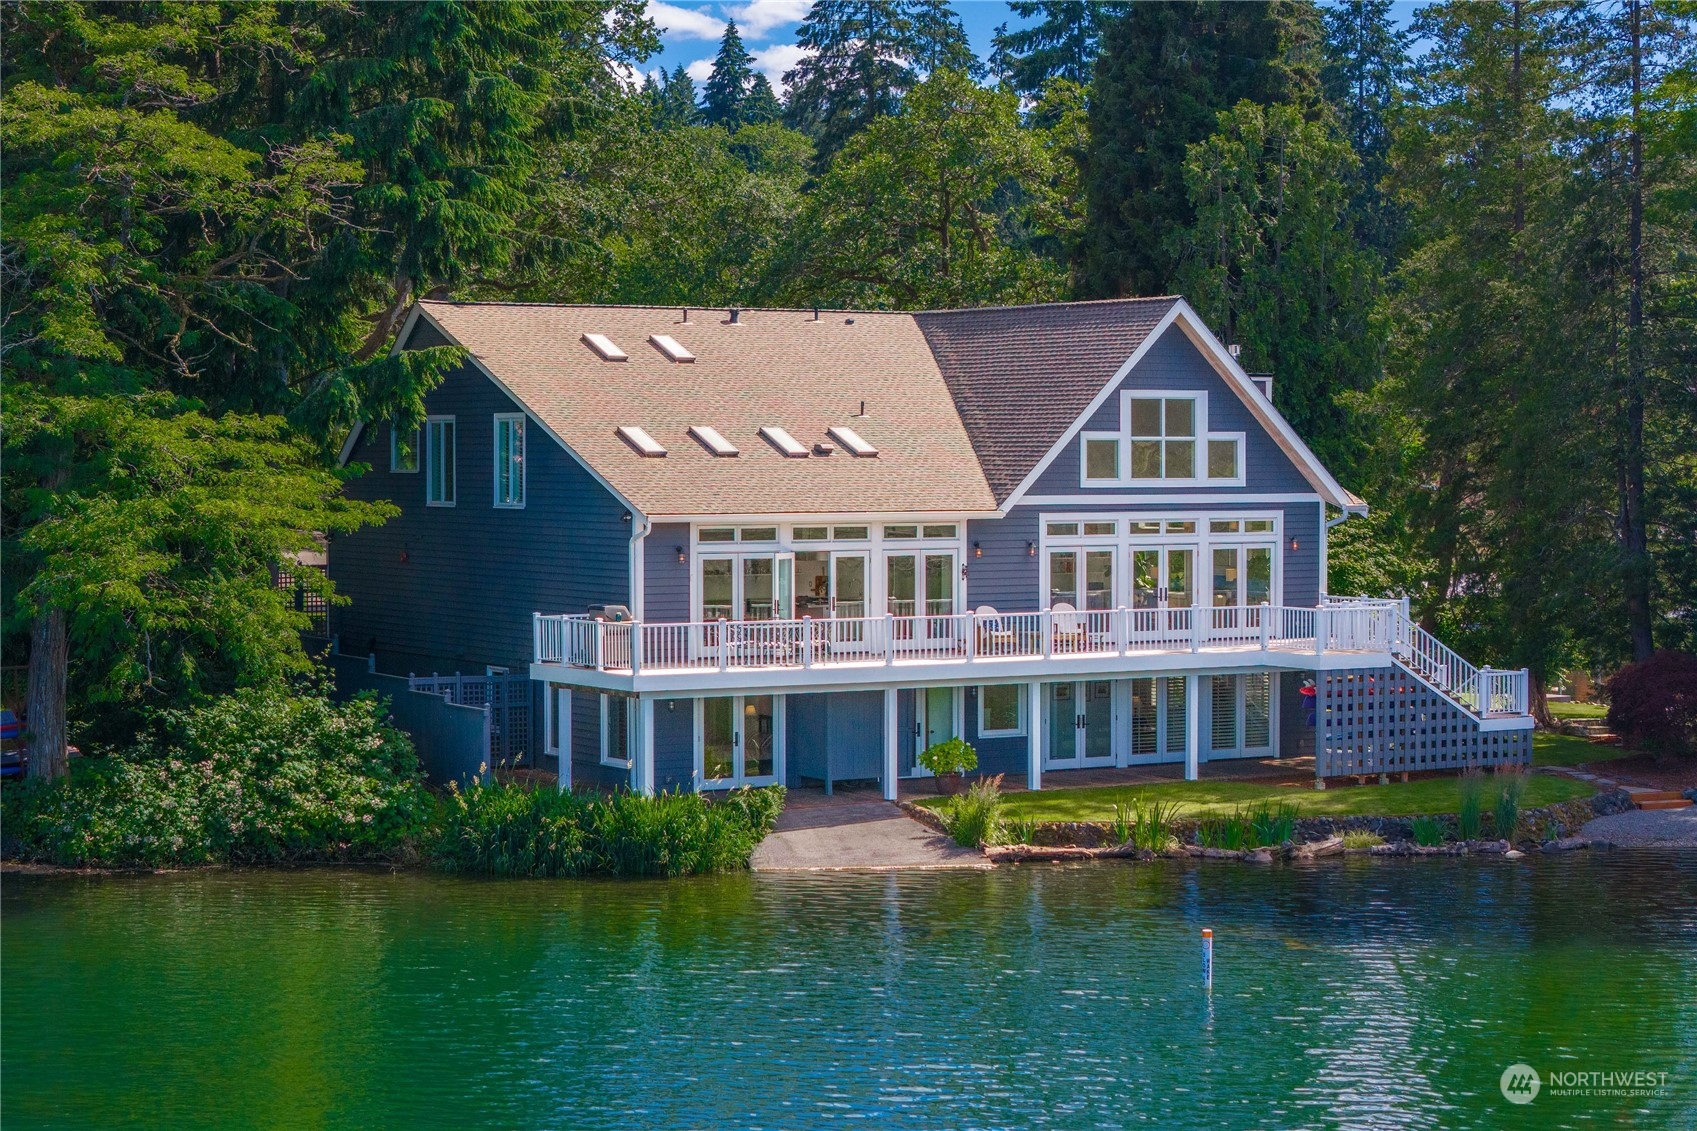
1207 958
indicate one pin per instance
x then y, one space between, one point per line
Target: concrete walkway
851 832
1647 828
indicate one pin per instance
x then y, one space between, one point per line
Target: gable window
999 714
509 459
1223 457
403 449
1163 438
439 470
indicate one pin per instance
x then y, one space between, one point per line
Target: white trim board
1159 500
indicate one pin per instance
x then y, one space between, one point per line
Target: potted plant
947 761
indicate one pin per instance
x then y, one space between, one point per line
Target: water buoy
1207 958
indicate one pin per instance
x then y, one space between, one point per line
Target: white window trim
1203 434
395 451
431 455
1019 696
1203 541
607 702
512 418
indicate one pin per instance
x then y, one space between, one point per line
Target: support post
1192 727
1034 729
645 747
891 738
564 708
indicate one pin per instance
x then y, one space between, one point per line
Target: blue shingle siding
1005 578
805 720
847 725
996 755
453 588
1174 363
1296 737
587 769
665 580
674 744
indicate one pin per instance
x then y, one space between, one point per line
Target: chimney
736 316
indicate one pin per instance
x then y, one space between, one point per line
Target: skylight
784 442
669 346
604 346
712 440
640 440
851 440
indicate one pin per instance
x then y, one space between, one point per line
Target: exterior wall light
1031 549
977 550
1295 545
682 557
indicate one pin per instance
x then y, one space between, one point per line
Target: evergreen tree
1366 61
762 103
864 55
1166 70
678 106
1061 45
727 88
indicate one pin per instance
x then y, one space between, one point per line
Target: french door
1240 715
1157 720
920 584
933 721
1081 578
1080 721
747 586
739 740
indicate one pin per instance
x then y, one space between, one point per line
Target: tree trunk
1634 533
44 710
1538 699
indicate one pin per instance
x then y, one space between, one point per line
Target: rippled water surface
1350 994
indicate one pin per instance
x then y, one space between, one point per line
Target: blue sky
690 30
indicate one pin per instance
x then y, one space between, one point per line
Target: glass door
1080 721
1157 720
848 585
933 721
1083 579
739 741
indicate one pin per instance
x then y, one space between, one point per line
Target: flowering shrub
261 776
523 830
1653 704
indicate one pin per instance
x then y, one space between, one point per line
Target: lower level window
998 711
615 730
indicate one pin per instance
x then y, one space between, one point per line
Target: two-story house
740 547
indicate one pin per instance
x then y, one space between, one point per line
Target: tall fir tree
863 56
678 106
1062 44
1166 70
727 88
761 105
1366 62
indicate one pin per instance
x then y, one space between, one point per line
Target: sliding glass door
739 740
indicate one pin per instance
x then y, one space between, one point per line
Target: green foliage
262 776
1366 63
1273 824
1062 44
733 73
527 831
1262 826
974 818
916 211
1361 838
863 56
1653 705
1428 832
1015 831
1145 823
1471 789
1508 788
951 756
1232 832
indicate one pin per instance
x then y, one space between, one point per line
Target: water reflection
1352 993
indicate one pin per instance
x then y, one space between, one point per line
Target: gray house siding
997 755
847 727
453 588
665 580
674 744
587 769
1174 363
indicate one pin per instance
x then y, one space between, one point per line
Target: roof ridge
1124 301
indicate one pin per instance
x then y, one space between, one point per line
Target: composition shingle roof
773 367
1020 375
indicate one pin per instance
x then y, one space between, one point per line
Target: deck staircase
1658 799
1482 693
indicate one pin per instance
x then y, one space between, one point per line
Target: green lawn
1566 750
1204 798
1578 710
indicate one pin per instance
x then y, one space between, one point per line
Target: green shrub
1471 785
265 775
1510 787
1232 833
1019 830
951 756
1428 832
1361 838
973 819
524 830
1272 825
1145 823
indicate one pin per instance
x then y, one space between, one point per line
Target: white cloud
757 18
701 70
773 61
684 23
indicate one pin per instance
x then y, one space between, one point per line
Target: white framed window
1001 710
403 450
509 459
1163 440
616 730
439 461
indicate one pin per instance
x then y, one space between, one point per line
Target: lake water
1348 993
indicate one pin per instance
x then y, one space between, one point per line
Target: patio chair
1068 627
994 637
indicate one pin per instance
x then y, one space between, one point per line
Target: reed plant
974 818
1272 825
1510 788
1232 833
1019 830
1428 832
1145 823
1472 788
1361 838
